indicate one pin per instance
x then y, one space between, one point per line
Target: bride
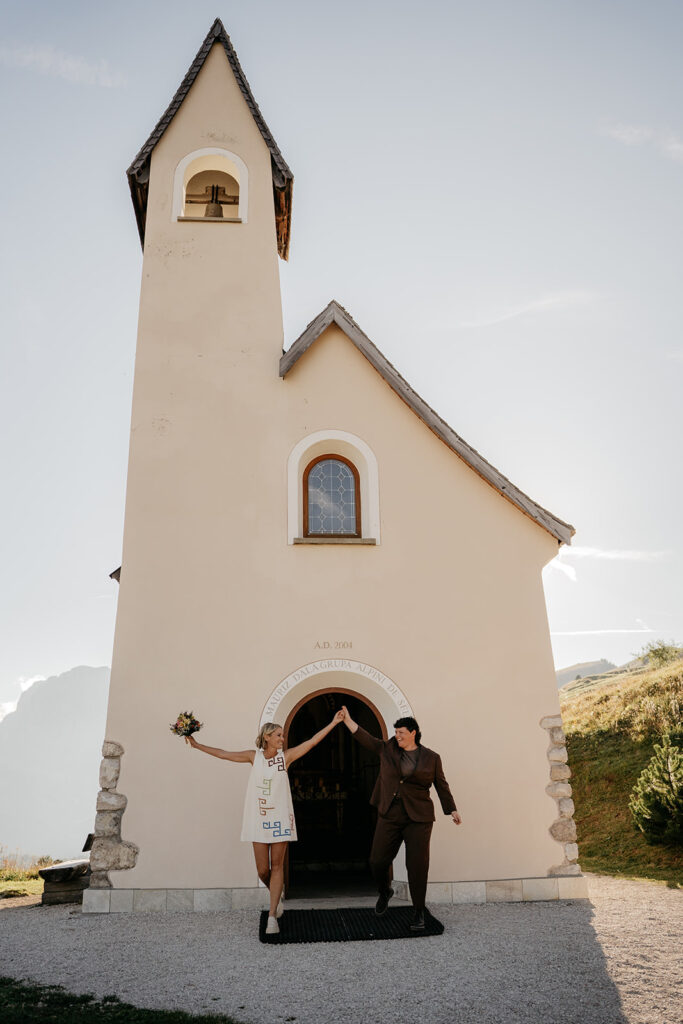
268 821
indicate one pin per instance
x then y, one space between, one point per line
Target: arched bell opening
331 789
211 184
212 193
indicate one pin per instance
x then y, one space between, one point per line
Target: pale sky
493 191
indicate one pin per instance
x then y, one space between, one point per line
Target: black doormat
351 924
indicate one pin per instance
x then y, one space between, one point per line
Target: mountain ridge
582 669
48 807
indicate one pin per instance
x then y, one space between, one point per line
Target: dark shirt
409 761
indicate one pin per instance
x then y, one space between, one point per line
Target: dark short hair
411 725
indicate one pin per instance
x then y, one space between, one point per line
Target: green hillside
612 723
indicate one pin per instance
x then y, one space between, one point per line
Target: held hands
345 716
339 717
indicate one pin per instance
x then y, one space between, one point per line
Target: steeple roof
334 313
283 179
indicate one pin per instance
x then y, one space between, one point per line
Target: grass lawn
604 771
21 887
19 878
23 1003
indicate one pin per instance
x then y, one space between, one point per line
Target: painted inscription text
334 665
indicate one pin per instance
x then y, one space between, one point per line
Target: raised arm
363 737
296 752
244 756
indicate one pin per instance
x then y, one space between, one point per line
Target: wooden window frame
356 478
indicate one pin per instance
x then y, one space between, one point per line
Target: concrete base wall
507 890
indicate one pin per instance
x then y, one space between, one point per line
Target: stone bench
65 882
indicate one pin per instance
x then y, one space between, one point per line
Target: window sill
334 540
214 220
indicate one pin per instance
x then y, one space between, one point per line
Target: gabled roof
334 313
138 172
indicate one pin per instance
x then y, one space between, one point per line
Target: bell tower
212 196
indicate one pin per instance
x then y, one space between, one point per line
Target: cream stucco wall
216 607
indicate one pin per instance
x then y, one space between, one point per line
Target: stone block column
109 851
563 829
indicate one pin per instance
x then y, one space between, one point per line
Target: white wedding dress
268 809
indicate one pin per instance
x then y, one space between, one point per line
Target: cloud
597 632
642 628
613 554
568 570
557 300
672 145
559 564
665 140
46 60
629 134
24 684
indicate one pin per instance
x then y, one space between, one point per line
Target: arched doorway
331 789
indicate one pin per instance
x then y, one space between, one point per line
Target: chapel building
302 530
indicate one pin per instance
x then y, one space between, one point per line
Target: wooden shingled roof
283 179
334 313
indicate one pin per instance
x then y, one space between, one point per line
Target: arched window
340 445
331 498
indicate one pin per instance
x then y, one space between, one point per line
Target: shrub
17 868
656 802
659 653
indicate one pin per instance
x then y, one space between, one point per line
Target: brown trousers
394 828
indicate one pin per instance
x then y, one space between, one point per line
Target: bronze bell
213 207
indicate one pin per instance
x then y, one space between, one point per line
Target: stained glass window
331 491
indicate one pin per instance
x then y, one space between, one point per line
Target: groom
405 812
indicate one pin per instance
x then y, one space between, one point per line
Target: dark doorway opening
331 789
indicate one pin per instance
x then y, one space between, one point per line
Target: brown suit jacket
413 789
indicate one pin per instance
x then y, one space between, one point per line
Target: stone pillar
109 851
563 829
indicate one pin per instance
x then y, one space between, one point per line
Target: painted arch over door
343 675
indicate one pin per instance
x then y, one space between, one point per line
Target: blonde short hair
266 729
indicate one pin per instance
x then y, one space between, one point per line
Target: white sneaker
272 928
280 910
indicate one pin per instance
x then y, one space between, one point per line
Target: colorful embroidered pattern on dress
277 828
265 787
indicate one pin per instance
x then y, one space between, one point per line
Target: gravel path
613 959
